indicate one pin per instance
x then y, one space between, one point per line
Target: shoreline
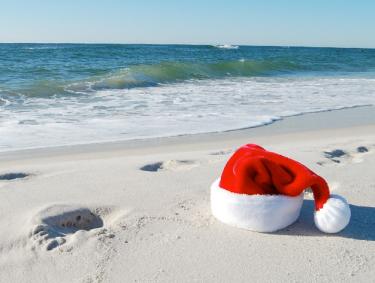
348 117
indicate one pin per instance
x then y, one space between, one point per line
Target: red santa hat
262 191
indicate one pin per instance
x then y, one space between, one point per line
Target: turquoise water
48 69
55 94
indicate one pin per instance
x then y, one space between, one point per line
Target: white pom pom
333 216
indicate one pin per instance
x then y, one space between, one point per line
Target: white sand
145 226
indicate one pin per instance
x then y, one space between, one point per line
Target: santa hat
262 191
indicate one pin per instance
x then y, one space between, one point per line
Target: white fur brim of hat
260 213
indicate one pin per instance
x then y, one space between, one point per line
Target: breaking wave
226 46
162 73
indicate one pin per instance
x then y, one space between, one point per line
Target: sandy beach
142 210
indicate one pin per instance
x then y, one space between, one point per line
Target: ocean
64 94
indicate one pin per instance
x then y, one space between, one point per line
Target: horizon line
192 44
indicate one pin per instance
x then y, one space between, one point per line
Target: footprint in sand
336 155
362 149
219 156
56 225
222 152
340 156
13 176
170 165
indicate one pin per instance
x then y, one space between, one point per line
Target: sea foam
193 106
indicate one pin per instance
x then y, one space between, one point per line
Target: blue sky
274 22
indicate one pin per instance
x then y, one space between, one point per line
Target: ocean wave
4 102
42 47
160 74
172 72
226 46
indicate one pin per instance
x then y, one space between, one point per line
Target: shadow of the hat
361 226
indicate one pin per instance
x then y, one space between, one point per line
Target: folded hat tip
334 216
